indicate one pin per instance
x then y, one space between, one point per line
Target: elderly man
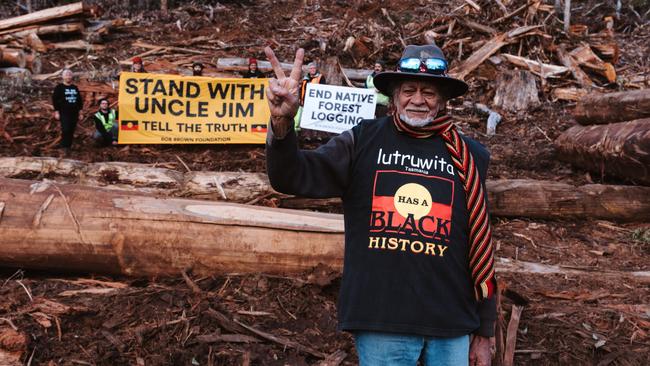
418 277
67 103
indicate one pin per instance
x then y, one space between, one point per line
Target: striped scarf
481 253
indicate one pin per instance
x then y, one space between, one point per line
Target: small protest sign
336 108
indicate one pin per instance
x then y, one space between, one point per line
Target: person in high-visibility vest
105 124
314 77
381 109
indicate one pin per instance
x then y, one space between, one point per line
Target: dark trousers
68 125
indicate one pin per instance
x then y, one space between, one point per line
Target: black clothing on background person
66 100
257 74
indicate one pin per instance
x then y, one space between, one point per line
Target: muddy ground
588 319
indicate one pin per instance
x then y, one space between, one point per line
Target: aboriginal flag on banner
399 195
129 125
259 128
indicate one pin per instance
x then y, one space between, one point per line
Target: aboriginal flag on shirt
401 196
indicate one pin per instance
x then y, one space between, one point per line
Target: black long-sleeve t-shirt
66 99
406 266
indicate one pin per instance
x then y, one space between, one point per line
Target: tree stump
516 91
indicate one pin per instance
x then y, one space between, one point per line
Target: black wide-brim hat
385 82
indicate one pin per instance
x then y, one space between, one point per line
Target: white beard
415 122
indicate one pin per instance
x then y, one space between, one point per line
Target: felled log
332 72
556 200
13 57
572 94
613 107
79 44
569 62
75 228
41 30
507 198
96 230
487 50
618 149
537 68
241 64
33 63
516 91
44 15
587 58
34 42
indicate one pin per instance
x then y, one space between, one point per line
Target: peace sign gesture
282 92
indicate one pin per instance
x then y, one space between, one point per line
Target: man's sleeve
319 173
487 313
56 98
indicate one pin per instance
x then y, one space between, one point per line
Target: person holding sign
314 77
253 72
137 64
418 278
381 108
197 68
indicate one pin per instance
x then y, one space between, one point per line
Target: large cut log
34 63
42 16
241 64
75 228
613 107
13 57
556 200
507 198
41 30
618 149
70 227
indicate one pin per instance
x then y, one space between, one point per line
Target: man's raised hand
282 92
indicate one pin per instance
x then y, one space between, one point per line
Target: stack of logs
23 38
613 136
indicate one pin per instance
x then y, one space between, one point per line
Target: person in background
197 68
68 104
313 76
138 65
106 129
381 109
253 72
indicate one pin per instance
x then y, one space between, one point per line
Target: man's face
312 70
418 100
137 67
103 105
378 67
67 76
252 67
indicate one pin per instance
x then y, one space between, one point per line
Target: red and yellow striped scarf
481 253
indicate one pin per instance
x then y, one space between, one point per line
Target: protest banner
175 109
336 108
